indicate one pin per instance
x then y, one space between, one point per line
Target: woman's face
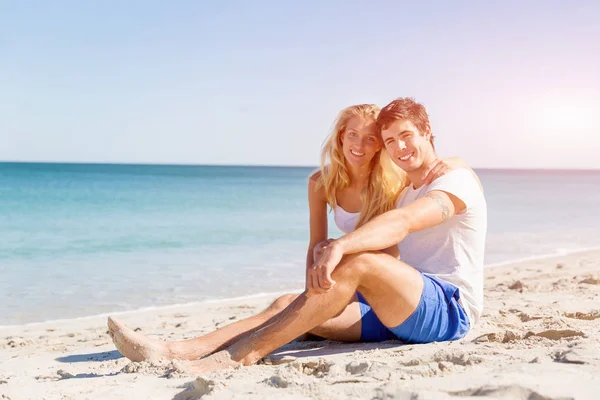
360 141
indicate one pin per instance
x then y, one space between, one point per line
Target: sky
511 84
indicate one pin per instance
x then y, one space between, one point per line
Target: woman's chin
358 162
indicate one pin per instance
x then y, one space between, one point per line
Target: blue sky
259 82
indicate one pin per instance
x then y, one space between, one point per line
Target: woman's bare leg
346 326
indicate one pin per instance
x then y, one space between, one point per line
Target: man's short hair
404 108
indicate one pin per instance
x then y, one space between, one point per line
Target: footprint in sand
197 389
447 358
526 317
316 368
555 334
523 316
502 392
580 354
356 368
278 382
562 283
589 316
21 343
591 281
166 369
64 374
518 286
498 337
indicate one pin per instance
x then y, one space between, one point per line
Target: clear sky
507 84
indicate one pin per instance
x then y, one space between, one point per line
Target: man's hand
317 252
318 277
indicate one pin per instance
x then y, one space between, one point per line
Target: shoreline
559 253
262 294
148 309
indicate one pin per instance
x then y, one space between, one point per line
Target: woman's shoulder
320 173
315 183
317 186
315 175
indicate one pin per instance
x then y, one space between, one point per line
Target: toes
111 326
115 326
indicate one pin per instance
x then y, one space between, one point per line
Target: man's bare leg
138 347
392 288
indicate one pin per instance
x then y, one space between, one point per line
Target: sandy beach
539 339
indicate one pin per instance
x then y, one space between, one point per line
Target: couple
409 266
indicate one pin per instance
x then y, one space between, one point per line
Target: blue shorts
438 317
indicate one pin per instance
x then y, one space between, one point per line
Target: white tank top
345 221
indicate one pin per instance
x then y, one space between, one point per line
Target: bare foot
216 362
136 346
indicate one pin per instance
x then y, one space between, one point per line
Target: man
434 293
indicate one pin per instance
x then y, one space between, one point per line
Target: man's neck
415 177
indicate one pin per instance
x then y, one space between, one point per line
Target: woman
354 173
357 182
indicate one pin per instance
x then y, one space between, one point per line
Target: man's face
406 145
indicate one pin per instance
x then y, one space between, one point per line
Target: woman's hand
442 167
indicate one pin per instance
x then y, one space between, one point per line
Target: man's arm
393 226
386 230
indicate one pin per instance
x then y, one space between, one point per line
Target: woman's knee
282 302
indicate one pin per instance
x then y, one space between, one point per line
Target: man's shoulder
461 180
460 183
456 176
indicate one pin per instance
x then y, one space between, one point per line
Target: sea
78 240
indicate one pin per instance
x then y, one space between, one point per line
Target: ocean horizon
82 239
126 163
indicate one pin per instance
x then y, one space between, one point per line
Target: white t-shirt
453 250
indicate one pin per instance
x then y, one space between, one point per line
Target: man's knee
357 264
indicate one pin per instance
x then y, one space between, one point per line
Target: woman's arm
317 205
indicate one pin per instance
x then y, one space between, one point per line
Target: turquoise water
80 239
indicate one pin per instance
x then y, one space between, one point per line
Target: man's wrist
342 244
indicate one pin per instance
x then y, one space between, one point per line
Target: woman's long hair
385 182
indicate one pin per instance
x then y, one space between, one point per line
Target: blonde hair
385 180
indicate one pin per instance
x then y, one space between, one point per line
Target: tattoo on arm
440 201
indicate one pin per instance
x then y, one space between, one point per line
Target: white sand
539 339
